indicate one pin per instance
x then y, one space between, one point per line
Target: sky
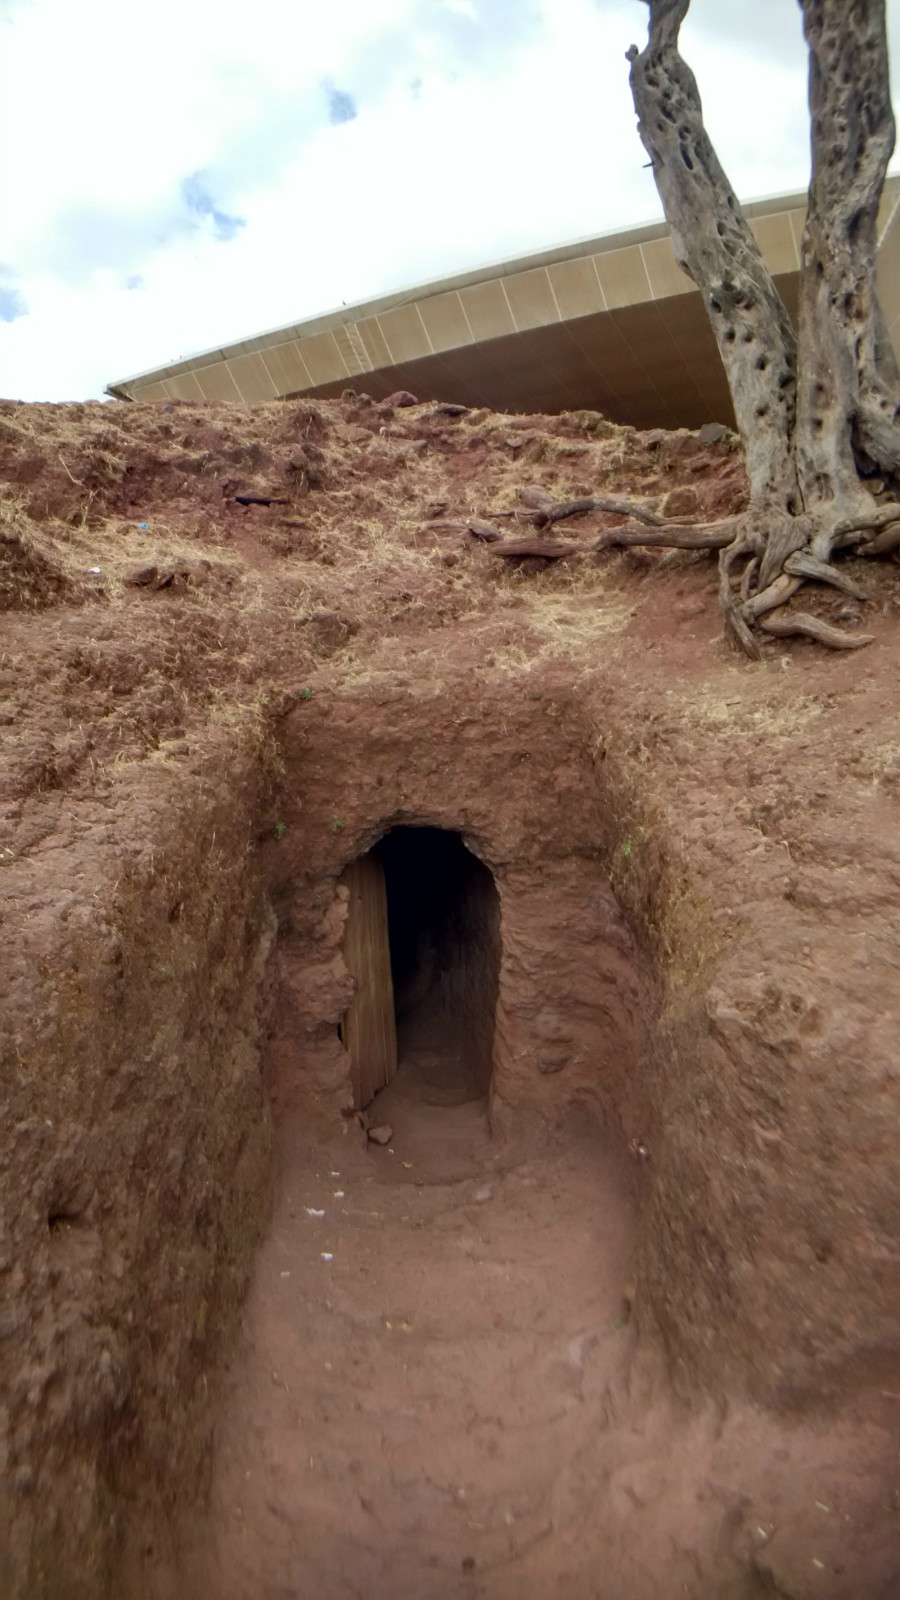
181 175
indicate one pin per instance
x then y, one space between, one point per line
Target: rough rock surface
697 862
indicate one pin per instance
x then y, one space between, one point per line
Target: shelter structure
610 324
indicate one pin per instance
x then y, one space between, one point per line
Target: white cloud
180 176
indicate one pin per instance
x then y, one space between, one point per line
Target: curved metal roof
610 324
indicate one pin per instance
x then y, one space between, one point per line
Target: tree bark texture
817 411
848 386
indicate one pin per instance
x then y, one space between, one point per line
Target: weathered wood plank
369 1029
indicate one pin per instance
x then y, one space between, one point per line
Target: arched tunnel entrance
423 942
438 1304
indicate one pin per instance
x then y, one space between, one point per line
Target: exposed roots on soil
804 545
544 518
815 628
695 536
742 538
541 510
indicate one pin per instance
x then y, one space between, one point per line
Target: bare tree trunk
847 403
816 411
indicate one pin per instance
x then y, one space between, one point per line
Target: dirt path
426 1349
435 1396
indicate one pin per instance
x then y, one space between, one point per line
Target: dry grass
347 578
33 571
773 716
571 623
114 546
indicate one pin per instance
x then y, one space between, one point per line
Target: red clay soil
435 1395
421 1368
629 1328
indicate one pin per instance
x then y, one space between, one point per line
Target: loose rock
713 433
141 577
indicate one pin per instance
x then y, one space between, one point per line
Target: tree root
577 508
815 628
735 624
883 543
545 549
541 510
853 529
788 535
677 536
741 536
736 629
803 565
770 598
785 550
744 610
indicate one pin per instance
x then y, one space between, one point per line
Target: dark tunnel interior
444 929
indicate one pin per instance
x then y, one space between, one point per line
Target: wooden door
369 1029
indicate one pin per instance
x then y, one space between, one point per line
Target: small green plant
627 847
280 829
336 825
303 694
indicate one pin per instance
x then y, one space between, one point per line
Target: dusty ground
187 764
436 1396
451 1360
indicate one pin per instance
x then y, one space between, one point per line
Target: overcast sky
182 174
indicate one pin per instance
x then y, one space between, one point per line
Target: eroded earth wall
133 1163
745 1060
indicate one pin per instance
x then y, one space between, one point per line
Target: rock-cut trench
506 1353
434 1323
